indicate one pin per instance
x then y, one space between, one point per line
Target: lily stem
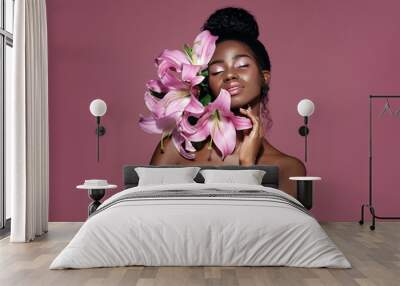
209 147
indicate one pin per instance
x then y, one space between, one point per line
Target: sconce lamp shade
305 107
98 107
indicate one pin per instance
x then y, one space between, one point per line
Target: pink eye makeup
242 64
214 70
238 62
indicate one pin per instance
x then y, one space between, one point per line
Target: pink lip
235 90
233 84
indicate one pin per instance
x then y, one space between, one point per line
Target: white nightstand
304 189
96 190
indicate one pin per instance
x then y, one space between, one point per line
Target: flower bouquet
181 103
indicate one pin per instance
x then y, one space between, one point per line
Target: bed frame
270 179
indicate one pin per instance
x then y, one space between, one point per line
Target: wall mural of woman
238 74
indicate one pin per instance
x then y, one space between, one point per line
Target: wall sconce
305 108
98 108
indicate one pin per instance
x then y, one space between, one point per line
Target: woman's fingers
243 111
259 126
248 112
254 119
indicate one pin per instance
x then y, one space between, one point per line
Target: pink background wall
334 52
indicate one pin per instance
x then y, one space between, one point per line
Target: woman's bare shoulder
168 156
286 163
292 166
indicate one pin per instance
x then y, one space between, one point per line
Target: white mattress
185 231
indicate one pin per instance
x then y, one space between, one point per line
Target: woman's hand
252 140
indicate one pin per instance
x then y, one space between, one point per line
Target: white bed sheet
200 231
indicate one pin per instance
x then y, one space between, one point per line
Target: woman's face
233 67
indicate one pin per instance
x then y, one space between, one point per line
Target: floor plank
375 257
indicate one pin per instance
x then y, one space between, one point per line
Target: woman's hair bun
232 21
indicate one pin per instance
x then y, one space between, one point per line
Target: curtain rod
384 96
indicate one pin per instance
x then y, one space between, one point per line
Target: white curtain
27 124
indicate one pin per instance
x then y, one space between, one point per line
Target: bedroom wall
335 53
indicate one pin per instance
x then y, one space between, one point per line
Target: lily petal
171 59
203 48
149 125
168 123
175 101
178 140
185 126
201 129
194 106
171 80
197 80
223 134
151 102
176 56
241 122
189 74
156 86
189 71
222 102
189 146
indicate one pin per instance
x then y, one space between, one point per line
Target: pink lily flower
171 60
173 103
179 139
153 125
183 95
156 86
179 76
167 126
160 123
219 122
171 63
203 49
187 77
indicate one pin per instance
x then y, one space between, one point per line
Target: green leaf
205 100
188 50
204 73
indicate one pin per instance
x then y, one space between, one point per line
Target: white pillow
248 177
162 176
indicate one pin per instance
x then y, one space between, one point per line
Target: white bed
251 225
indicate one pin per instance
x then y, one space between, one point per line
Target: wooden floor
375 257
